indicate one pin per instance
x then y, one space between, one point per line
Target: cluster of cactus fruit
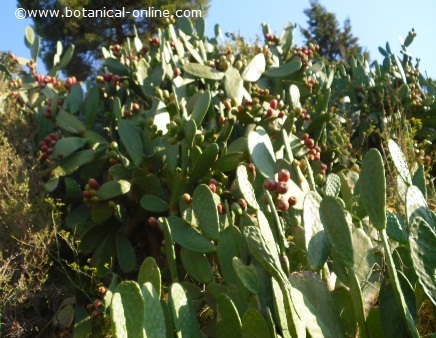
251 210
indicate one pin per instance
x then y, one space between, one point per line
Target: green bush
220 185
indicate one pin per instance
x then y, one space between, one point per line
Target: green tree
323 28
89 35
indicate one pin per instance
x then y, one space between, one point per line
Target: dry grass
28 298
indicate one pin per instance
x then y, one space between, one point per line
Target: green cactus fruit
127 311
184 320
150 272
205 210
154 320
197 265
228 323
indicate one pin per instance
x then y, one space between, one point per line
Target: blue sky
373 21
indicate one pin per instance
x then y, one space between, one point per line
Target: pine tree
323 29
89 35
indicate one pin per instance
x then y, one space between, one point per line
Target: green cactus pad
190 130
399 161
101 212
254 325
229 162
245 187
197 265
206 212
373 188
154 320
67 145
230 244
332 185
267 234
315 306
153 203
126 255
130 136
70 123
228 323
116 67
416 205
396 227
337 229
203 71
247 275
422 241
74 99
127 311
261 152
113 189
170 251
284 70
150 272
233 85
390 315
184 320
185 25
188 237
317 245
255 68
204 162
119 172
364 255
418 179
104 256
91 106
73 162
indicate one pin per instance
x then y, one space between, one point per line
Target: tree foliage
324 29
89 35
